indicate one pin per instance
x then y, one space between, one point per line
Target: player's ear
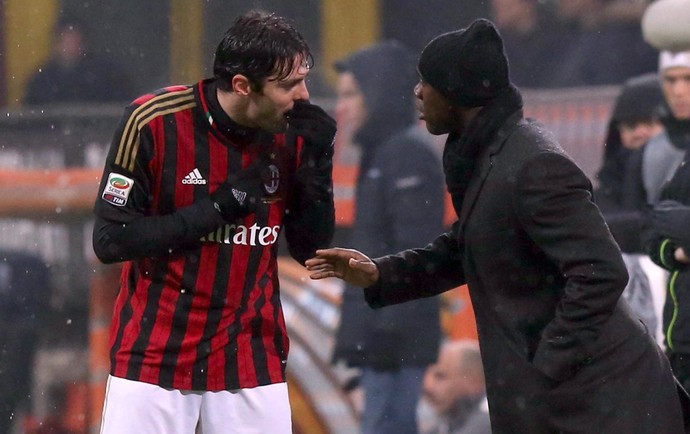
241 85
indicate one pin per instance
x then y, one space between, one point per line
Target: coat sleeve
553 199
418 273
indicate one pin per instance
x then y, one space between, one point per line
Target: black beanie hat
640 98
467 66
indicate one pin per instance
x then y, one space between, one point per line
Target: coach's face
434 109
439 114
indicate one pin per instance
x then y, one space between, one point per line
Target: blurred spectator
634 121
454 389
667 158
531 39
25 289
399 204
603 44
661 156
75 74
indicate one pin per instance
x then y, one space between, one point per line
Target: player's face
268 107
676 86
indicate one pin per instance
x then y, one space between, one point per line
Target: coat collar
484 165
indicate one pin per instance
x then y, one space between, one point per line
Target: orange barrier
56 193
344 185
457 314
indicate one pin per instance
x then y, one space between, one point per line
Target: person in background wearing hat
561 351
666 167
400 204
634 120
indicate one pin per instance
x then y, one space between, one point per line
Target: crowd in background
549 44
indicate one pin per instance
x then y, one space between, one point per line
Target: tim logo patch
117 189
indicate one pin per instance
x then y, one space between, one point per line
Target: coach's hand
239 195
350 265
315 126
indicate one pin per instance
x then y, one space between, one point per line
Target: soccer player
199 183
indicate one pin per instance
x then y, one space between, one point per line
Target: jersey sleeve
310 218
123 194
126 227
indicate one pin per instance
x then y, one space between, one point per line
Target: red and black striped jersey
205 315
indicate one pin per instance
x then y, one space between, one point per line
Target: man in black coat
400 204
561 351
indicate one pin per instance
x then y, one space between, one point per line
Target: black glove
239 195
315 126
671 219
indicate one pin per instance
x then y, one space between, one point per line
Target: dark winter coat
561 353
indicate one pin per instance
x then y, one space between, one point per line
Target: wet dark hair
259 45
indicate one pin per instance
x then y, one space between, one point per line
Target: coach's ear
241 85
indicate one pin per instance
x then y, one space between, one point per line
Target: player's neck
235 107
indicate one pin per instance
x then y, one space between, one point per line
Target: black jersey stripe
180 322
143 114
202 157
126 312
138 350
232 379
258 347
164 100
232 376
165 191
215 316
279 336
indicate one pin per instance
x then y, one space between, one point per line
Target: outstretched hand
349 265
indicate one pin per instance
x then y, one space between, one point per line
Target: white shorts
137 407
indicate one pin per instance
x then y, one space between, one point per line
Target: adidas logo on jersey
194 177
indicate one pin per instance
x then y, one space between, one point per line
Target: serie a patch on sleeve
117 189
